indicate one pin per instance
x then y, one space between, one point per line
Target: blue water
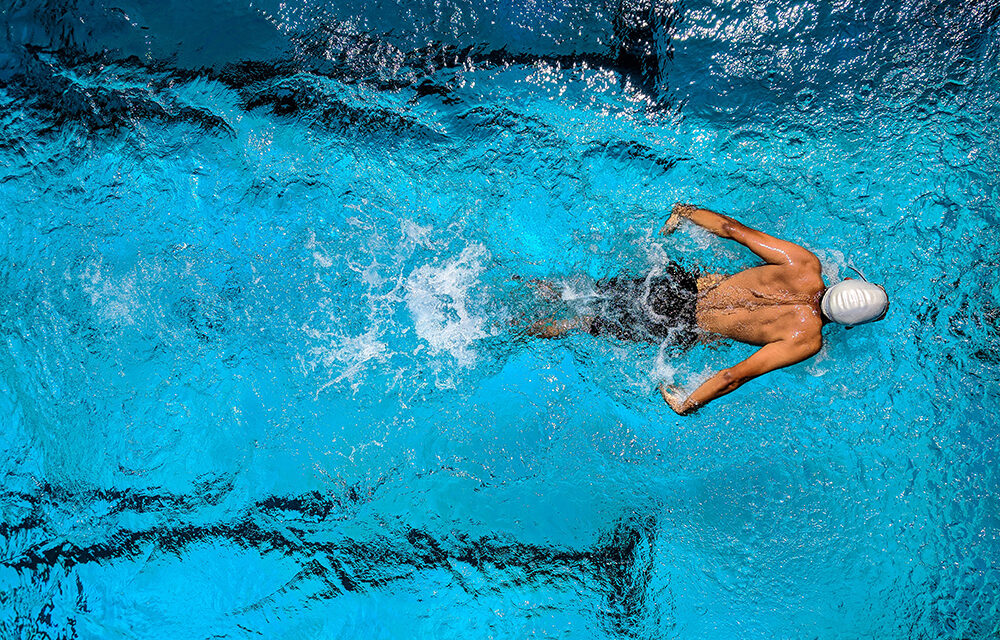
262 374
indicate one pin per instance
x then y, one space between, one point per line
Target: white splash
664 372
344 356
832 261
656 255
696 380
347 356
702 238
815 366
577 288
438 296
417 234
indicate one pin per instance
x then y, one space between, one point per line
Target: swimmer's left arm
768 358
770 249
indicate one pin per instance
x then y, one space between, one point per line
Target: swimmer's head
854 302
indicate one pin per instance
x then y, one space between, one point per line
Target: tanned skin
774 306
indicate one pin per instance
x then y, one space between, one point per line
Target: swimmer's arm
772 250
768 358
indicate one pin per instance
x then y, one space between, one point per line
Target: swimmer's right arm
768 358
771 249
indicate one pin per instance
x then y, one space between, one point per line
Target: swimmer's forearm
771 356
715 387
711 221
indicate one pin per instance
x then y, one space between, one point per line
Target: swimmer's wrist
683 210
688 407
673 399
677 213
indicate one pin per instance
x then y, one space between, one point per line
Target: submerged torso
762 304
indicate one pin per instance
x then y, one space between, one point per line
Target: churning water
262 371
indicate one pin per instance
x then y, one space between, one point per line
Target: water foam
346 355
832 262
438 297
664 372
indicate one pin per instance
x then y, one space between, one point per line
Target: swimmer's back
764 304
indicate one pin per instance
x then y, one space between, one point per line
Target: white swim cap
853 302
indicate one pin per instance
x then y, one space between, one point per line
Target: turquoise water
262 373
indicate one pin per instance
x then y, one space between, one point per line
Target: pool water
264 370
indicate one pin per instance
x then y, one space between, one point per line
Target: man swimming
780 306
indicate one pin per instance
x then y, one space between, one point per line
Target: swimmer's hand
672 395
678 213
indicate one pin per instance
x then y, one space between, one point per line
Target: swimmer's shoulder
806 333
805 274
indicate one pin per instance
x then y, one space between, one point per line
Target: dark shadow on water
621 564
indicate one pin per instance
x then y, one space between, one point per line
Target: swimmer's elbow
807 348
808 259
729 229
732 380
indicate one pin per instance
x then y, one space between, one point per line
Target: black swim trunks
655 309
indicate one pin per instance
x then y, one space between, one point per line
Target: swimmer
780 306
